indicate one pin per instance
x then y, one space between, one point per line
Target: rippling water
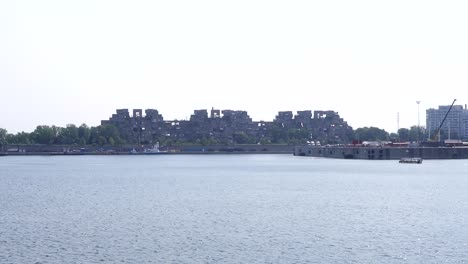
231 209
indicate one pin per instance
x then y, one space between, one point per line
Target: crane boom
436 134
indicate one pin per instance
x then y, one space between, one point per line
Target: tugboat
411 160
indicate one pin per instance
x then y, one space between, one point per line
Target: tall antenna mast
398 121
419 129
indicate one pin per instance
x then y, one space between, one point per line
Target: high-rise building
455 125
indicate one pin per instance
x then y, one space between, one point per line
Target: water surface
231 209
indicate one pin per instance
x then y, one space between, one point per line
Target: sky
77 62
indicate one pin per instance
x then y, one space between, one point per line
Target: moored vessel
411 160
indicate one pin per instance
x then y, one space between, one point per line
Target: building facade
455 125
231 126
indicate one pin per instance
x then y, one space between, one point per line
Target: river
231 209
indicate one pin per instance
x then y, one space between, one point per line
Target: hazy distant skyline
77 61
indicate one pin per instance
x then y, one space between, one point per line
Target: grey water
231 209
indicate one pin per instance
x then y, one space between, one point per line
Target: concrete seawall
382 153
30 150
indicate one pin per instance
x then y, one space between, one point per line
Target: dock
382 153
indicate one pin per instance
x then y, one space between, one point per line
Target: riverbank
136 154
34 150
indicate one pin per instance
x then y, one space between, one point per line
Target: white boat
411 160
154 150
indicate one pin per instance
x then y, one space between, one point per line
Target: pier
382 153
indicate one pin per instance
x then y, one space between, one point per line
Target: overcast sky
77 61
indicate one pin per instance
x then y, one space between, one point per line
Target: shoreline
16 154
74 150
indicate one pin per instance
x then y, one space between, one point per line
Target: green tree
93 136
110 131
240 138
82 142
404 134
278 135
416 134
371 134
72 133
3 136
265 141
208 141
19 138
84 133
102 141
44 134
298 136
9 139
68 135
394 137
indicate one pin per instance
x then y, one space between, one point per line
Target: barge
382 152
411 160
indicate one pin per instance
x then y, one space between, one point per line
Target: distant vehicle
371 144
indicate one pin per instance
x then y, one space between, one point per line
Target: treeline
109 135
274 136
404 134
69 135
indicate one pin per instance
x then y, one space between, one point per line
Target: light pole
418 102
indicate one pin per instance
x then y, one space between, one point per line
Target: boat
154 150
411 160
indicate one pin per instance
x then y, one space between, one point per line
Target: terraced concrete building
231 126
